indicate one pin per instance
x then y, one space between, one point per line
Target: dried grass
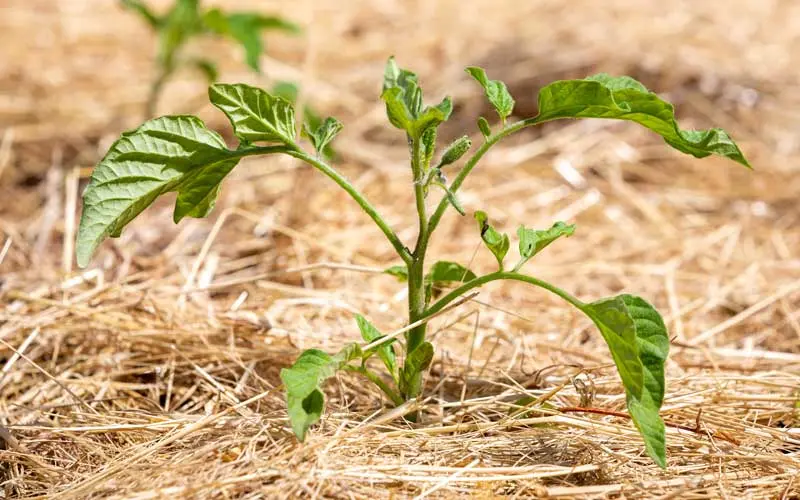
154 374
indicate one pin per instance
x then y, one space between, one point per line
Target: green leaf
256 115
400 272
445 272
455 151
289 91
639 344
495 90
208 68
304 397
404 105
246 28
533 241
496 242
428 141
623 98
484 127
171 153
416 362
143 10
385 351
324 134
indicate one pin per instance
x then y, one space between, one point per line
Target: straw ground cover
156 373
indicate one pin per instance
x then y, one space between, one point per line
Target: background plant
180 154
186 21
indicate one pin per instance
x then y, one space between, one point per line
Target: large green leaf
639 344
256 115
498 243
495 90
445 272
171 153
303 380
246 28
385 351
623 98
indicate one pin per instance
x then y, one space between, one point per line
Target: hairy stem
501 275
359 198
416 270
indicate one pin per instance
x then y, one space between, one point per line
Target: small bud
455 151
486 130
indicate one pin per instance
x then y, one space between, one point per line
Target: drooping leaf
399 272
484 127
496 92
416 362
171 153
533 241
404 104
639 344
623 98
386 351
324 134
303 380
256 115
143 10
246 28
451 197
496 242
455 151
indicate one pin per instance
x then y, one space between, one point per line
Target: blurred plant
178 153
185 21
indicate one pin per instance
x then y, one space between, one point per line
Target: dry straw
154 375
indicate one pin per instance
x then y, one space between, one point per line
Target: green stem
359 198
416 269
390 393
501 275
155 92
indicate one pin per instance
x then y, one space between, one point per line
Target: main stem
416 271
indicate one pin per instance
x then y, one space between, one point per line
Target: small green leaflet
496 242
404 105
496 92
484 127
639 344
256 116
623 98
416 363
445 272
385 351
533 241
289 91
172 153
324 134
304 397
246 28
400 272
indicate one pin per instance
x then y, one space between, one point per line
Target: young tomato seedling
178 153
185 22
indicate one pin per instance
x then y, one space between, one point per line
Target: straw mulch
154 374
